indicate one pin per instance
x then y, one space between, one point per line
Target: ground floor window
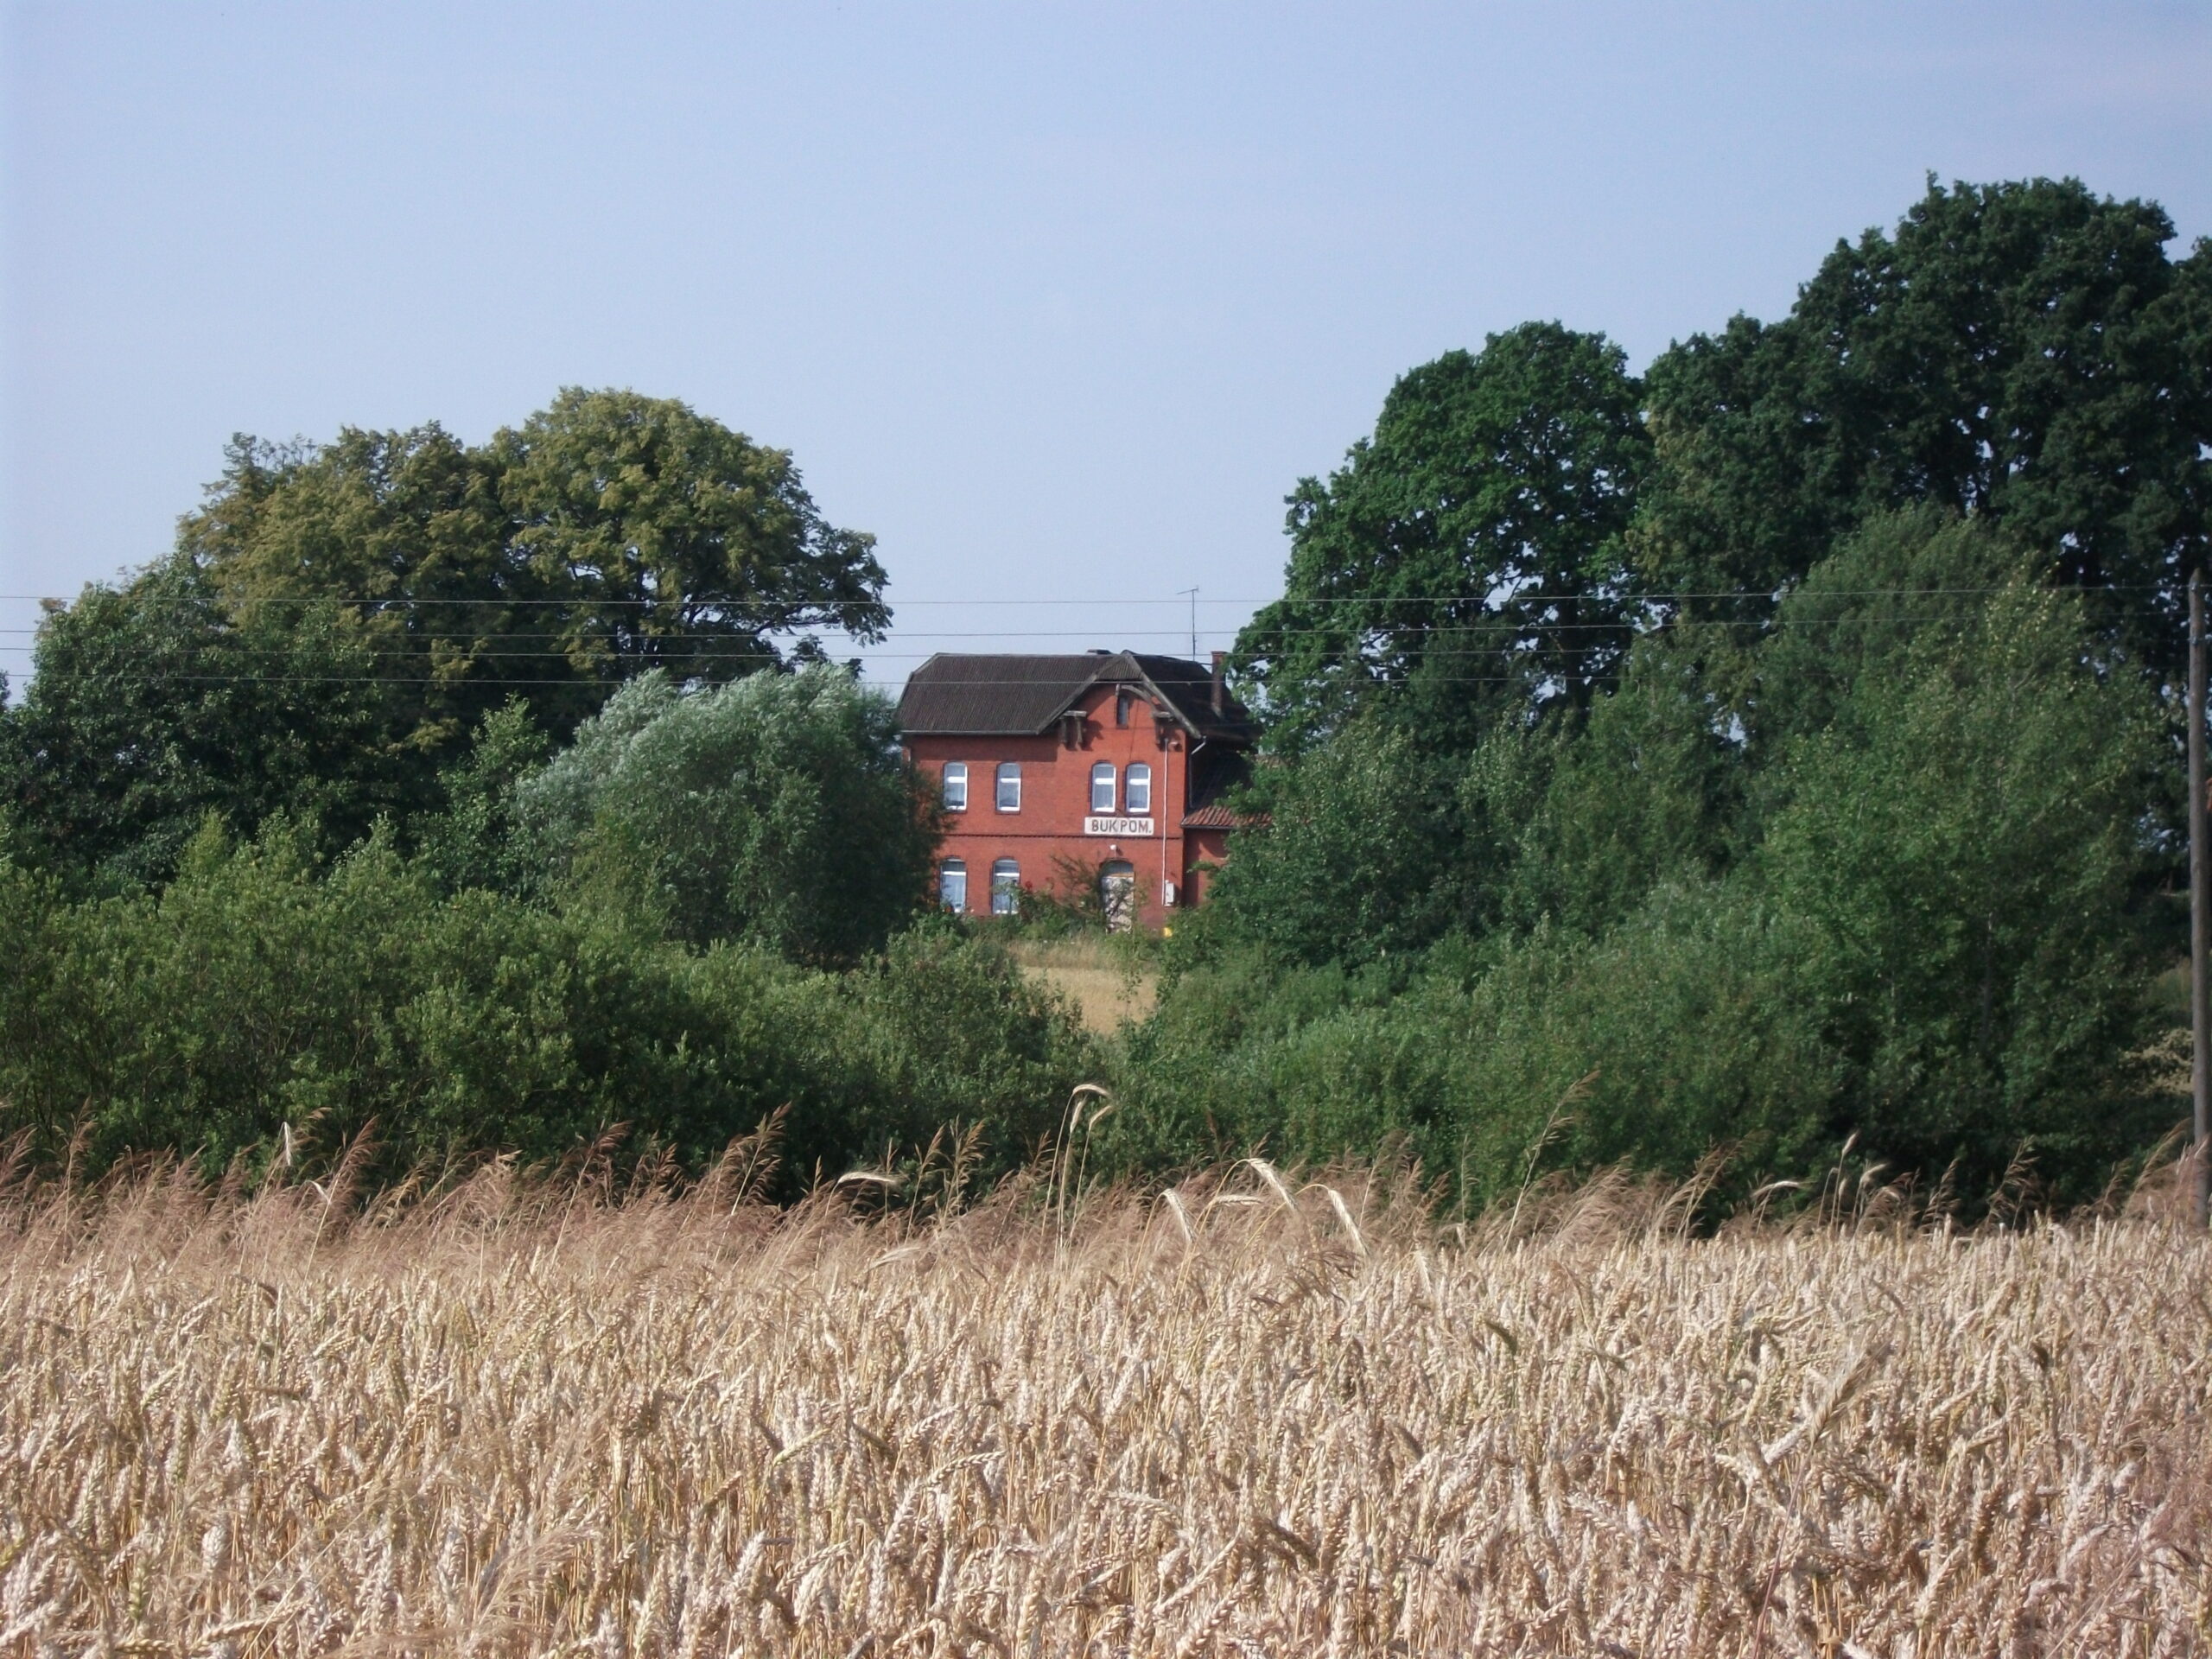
952 884
1005 888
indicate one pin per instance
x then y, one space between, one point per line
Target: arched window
952 885
1137 793
1005 888
1122 699
956 785
1010 787
1101 788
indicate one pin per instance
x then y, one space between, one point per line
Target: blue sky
1056 301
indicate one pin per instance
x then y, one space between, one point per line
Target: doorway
1117 894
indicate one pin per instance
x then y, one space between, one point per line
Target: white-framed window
1006 887
1010 787
952 885
1136 792
1101 788
956 785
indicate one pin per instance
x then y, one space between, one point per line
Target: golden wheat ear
501 1411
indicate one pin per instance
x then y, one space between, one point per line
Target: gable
964 694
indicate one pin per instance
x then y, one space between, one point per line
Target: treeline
1776 748
699 916
498 797
1780 747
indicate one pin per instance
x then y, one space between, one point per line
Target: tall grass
1255 1414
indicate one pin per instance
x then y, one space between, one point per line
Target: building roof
1215 816
969 695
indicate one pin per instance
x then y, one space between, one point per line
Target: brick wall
1046 835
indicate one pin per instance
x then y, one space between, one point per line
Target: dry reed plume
1246 1418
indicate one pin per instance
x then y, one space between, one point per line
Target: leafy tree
154 705
775 810
336 620
681 545
470 842
609 533
1469 556
2026 352
1644 790
1965 840
1356 857
405 531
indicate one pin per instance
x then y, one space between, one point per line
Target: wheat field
1252 1415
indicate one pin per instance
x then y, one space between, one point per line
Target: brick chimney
1220 686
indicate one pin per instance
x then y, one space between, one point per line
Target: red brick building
1102 769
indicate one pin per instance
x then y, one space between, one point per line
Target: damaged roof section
960 695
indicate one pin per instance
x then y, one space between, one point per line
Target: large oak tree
337 620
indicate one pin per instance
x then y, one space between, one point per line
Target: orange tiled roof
1217 817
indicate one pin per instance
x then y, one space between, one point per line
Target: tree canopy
336 619
775 810
2026 352
1469 556
607 534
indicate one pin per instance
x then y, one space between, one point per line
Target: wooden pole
2200 914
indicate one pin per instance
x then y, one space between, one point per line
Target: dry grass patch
1097 975
1254 1418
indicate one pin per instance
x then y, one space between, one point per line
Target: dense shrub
775 810
259 990
1887 876
1681 1029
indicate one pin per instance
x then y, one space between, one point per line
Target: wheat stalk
518 1416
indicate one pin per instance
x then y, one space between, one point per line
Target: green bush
1681 1029
774 810
1891 874
260 989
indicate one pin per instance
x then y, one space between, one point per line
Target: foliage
472 841
1467 558
1906 901
609 533
2023 351
261 990
1356 857
774 810
1583 822
1964 840
337 620
1766 754
154 705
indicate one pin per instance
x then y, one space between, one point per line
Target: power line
1492 624
1530 597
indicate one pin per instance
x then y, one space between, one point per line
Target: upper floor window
1102 787
952 885
956 785
1005 888
1010 787
1137 793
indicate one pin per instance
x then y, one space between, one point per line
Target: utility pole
1194 593
2200 916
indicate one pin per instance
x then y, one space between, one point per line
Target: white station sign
1132 829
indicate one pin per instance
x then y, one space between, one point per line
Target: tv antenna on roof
1193 594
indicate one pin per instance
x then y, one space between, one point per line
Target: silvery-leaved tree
775 810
